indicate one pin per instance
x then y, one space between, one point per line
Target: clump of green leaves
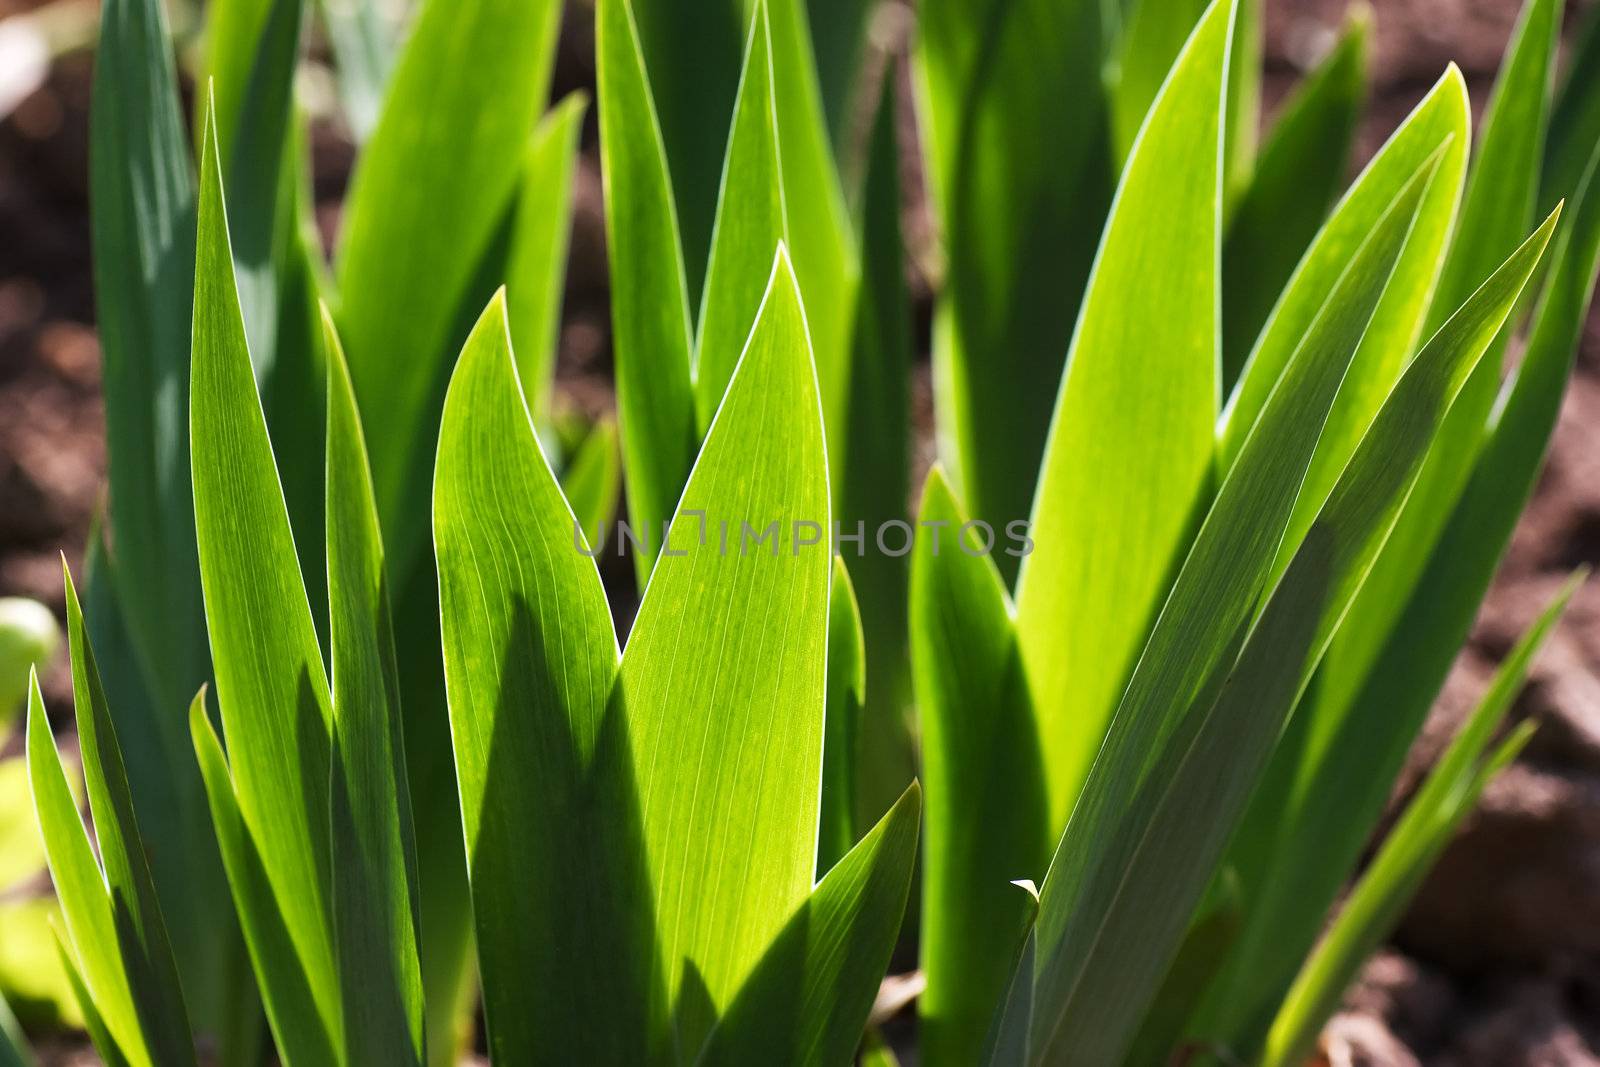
1283 458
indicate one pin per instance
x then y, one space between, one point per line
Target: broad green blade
839 38
1204 949
987 822
592 482
142 191
364 44
1574 119
1496 211
1151 40
1014 121
817 220
29 637
750 224
1440 119
870 469
807 1000
99 1036
693 49
650 324
295 1009
847 691
537 272
252 51
142 945
723 678
270 681
541 757
1296 179
89 920
1338 790
482 69
1137 407
170 801
1422 832
375 861
1131 868
1008 1041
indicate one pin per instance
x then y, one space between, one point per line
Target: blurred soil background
1496 963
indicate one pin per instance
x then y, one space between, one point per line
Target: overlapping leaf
1137 407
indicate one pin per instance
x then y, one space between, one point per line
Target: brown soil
1498 962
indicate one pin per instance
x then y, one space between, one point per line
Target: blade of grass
807 1000
1137 406
1015 126
537 271
270 681
847 690
1130 869
143 946
1421 834
987 819
374 890
1440 119
723 677
1337 789
1296 179
750 223
592 481
142 190
870 469
446 184
530 659
90 922
651 327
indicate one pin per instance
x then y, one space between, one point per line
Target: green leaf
253 49
592 481
1137 406
1151 40
90 919
144 950
807 1000
847 691
530 659
537 271
446 185
29 637
1337 790
1016 142
270 681
364 43
1008 1042
1297 177
694 53
987 821
870 470
817 220
1139 852
750 223
839 38
99 1036
1441 119
375 864
1574 119
142 191
1496 211
1421 834
723 679
651 327
295 1009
